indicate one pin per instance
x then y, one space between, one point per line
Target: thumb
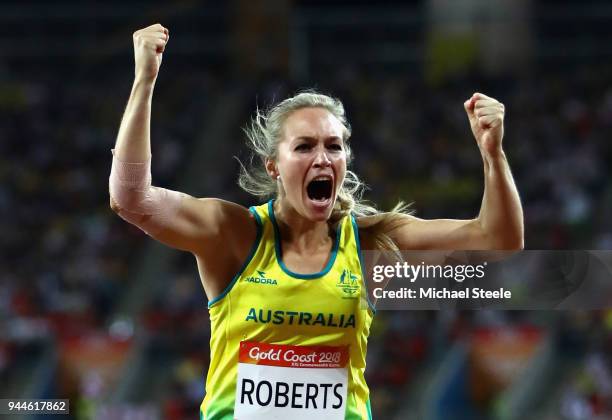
469 109
469 106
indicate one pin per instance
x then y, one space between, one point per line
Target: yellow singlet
287 345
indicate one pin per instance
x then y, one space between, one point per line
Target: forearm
134 139
501 213
130 179
132 195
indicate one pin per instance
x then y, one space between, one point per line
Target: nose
321 159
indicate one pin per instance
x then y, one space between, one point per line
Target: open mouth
319 189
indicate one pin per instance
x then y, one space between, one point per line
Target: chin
319 212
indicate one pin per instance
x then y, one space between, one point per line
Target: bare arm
133 141
499 224
174 218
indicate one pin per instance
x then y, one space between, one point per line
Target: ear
271 168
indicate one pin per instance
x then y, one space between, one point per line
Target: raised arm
499 224
174 218
501 213
133 141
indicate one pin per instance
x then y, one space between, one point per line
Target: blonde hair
263 135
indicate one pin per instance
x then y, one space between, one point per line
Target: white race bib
291 382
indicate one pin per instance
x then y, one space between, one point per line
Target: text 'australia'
301 318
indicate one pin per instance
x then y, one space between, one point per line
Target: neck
299 231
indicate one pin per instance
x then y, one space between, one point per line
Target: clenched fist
149 45
486 117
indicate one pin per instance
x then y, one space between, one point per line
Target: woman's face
311 162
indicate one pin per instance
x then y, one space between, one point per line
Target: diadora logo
348 283
261 279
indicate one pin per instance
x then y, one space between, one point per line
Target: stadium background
93 310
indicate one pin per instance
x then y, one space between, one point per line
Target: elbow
517 238
510 242
114 206
505 240
502 238
521 243
122 198
517 245
132 203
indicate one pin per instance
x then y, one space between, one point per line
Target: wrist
144 83
494 158
492 153
142 91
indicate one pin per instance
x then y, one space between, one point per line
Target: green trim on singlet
278 250
246 262
363 268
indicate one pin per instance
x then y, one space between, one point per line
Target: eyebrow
310 138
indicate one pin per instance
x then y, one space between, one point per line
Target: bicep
439 234
202 225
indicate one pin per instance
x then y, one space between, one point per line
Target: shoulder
222 222
222 210
385 220
229 232
374 226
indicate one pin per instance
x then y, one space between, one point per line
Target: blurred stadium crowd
67 262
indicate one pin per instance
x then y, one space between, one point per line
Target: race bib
291 382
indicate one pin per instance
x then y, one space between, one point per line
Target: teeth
322 178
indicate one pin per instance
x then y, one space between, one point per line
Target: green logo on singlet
348 283
261 279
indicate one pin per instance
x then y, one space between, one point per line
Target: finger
481 103
157 45
148 30
144 39
156 36
153 40
160 34
160 47
490 110
156 26
490 121
161 31
478 95
469 106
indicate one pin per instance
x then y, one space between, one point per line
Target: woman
284 280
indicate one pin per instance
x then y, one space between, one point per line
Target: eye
302 147
335 146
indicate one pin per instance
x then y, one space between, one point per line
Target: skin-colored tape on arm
150 208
